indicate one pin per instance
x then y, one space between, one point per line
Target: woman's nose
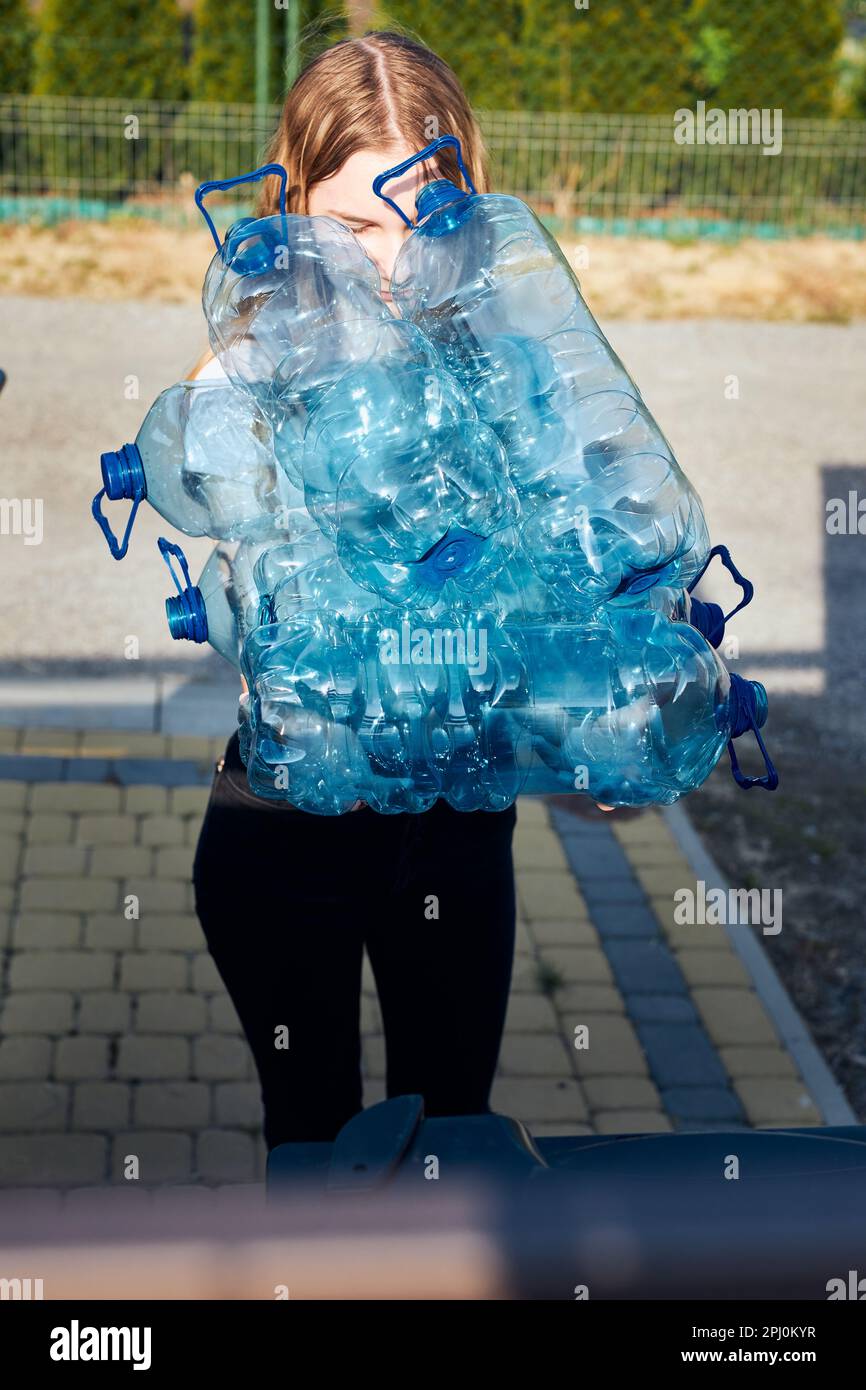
389 250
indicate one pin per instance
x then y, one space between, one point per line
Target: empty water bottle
631 709
604 499
224 606
382 711
416 614
709 618
634 710
396 466
204 459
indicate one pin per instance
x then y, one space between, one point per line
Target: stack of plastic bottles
455 552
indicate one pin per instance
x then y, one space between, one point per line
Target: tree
481 42
617 56
110 48
16 41
224 51
781 54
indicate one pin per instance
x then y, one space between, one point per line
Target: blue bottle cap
440 194
253 244
454 553
185 610
749 707
187 616
709 619
762 704
123 473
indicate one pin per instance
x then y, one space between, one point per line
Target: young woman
288 901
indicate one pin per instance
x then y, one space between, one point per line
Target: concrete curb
793 1031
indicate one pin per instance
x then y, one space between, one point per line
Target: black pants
288 900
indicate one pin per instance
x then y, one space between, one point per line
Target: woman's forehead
350 190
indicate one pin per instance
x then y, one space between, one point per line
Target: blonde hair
368 93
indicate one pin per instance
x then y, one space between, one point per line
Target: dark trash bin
722 1214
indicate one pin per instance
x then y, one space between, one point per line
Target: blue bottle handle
435 145
118 548
745 584
769 781
746 697
204 188
187 615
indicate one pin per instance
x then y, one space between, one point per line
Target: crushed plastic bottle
204 459
395 464
457 556
603 500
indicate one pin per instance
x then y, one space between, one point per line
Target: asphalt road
764 452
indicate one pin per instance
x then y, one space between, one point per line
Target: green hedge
633 56
224 58
110 48
480 41
628 56
16 42
771 53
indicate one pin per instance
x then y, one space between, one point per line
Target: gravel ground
815 279
769 422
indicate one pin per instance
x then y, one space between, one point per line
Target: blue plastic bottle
390 652
631 709
396 466
634 710
603 498
709 618
224 606
204 459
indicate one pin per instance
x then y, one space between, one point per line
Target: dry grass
813 279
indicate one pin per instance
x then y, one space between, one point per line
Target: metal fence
75 157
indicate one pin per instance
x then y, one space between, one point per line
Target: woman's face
348 196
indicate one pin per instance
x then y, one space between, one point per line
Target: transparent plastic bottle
204 459
224 606
399 471
680 605
395 465
634 709
631 709
602 496
390 653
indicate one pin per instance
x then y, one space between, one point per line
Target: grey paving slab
206 712
130 705
608 892
165 772
30 769
595 857
681 1055
644 967
128 772
624 920
661 1008
700 1103
79 703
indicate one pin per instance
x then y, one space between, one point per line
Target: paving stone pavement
117 1037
